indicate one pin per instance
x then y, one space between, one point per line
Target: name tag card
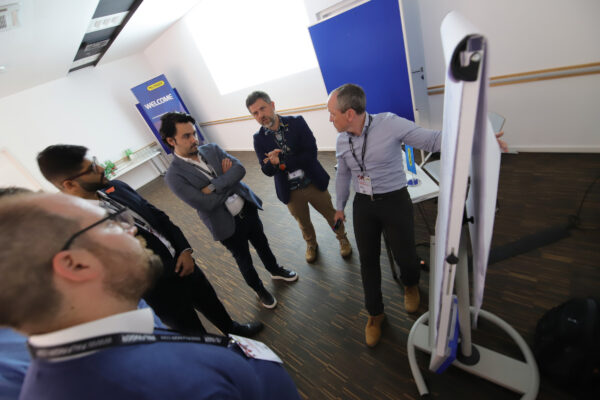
255 349
297 174
364 185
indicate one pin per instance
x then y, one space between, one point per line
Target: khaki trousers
321 201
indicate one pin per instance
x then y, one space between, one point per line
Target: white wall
95 108
553 115
176 55
92 107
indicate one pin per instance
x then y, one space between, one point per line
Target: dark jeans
249 228
391 213
176 299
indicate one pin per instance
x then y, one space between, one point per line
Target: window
245 43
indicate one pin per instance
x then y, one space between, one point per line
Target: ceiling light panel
108 21
9 17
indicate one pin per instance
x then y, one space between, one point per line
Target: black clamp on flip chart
452 259
466 58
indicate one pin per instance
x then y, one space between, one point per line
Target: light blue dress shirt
383 154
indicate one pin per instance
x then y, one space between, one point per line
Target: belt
244 211
241 214
381 196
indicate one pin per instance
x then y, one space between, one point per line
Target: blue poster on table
410 159
156 97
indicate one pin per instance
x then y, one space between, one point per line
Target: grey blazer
186 181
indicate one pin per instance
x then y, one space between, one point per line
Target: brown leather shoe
345 247
412 298
311 252
373 329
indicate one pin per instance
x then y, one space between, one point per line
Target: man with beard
210 180
182 288
287 150
71 280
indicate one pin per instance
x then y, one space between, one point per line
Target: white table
425 190
123 168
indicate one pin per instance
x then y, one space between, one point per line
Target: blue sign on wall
156 98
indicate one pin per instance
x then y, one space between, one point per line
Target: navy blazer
125 195
186 181
303 155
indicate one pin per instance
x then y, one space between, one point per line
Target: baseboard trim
555 149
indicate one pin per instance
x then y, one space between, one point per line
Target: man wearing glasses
182 288
81 274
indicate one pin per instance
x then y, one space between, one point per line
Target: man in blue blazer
287 150
210 180
72 278
182 288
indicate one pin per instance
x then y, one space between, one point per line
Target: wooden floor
318 325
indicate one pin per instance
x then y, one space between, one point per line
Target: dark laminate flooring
318 325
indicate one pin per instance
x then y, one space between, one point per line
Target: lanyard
279 137
140 222
364 147
210 172
115 340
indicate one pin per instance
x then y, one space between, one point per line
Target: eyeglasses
92 168
120 217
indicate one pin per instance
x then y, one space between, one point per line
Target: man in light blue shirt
369 155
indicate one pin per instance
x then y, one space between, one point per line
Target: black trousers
175 300
391 213
249 228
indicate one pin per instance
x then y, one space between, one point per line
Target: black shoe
285 274
247 329
266 298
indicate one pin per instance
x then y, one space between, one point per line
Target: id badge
255 349
296 174
364 185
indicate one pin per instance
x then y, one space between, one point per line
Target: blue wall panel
365 46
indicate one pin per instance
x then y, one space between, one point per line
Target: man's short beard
270 123
129 282
93 187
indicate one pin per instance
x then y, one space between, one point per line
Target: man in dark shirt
182 288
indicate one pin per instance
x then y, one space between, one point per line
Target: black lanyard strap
210 171
118 339
364 147
279 136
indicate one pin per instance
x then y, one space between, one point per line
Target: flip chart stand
516 375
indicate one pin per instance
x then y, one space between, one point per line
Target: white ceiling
42 48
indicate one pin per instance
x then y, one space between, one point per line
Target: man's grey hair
254 96
351 96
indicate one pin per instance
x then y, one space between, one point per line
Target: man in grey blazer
210 180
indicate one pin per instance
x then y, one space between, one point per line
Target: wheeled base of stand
518 376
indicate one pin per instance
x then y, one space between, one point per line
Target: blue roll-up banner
156 97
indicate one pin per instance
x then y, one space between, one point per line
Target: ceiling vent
9 17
